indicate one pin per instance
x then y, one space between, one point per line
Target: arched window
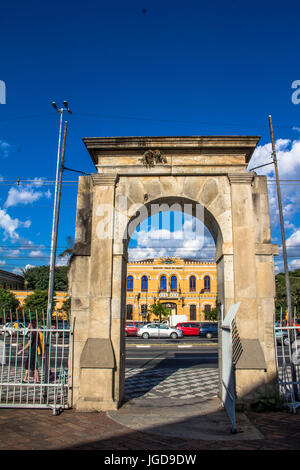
192 283
207 283
144 283
173 283
130 283
192 312
163 283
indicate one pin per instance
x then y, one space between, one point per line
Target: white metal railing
228 372
287 348
34 361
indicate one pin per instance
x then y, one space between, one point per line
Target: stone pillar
78 277
265 277
244 252
251 366
96 358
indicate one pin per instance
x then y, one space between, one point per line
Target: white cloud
13 253
24 195
35 254
28 266
63 260
4 149
190 242
294 240
17 271
294 264
38 181
10 225
288 156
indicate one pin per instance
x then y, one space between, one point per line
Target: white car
14 328
159 330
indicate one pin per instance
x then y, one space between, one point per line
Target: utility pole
57 196
285 261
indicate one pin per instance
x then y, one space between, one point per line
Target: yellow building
59 299
185 286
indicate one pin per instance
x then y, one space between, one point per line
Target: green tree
8 302
212 315
159 310
37 278
280 300
37 303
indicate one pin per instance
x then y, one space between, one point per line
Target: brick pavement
31 429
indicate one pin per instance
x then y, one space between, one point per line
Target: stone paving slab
205 421
189 384
71 430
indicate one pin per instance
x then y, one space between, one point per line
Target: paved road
185 339
171 356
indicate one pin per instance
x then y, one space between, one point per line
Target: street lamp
57 192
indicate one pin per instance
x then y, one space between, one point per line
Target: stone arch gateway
207 174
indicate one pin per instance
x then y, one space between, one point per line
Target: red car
297 323
131 328
189 328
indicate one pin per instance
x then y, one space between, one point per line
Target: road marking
143 346
170 358
185 346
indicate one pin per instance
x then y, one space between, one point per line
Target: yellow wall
182 297
59 298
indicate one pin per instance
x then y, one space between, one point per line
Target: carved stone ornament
168 261
151 157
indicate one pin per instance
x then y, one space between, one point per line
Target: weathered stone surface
206 172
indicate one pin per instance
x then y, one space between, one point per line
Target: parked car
14 328
131 328
188 328
297 323
208 330
159 330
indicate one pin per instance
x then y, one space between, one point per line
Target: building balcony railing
165 294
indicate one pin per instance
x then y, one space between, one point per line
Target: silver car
159 330
14 328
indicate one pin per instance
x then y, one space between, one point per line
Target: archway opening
172 264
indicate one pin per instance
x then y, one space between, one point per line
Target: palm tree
159 310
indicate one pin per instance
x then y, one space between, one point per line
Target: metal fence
229 341
34 361
287 347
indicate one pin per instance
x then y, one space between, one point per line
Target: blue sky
138 68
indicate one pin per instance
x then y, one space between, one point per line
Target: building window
192 284
163 283
130 283
192 312
173 283
207 283
207 310
129 312
144 283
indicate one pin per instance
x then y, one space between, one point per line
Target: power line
143 118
